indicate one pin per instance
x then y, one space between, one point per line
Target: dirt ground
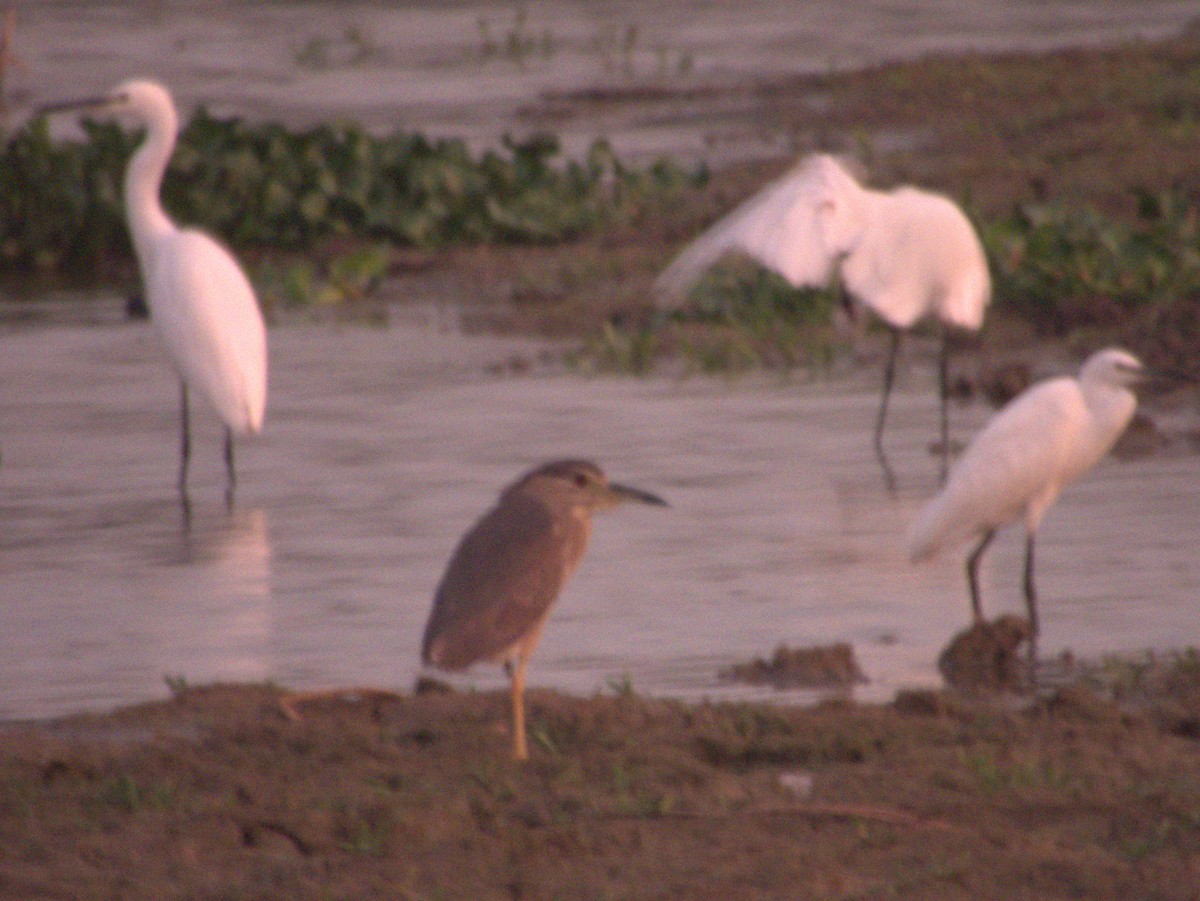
215 793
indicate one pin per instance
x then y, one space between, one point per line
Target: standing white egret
1015 468
200 301
905 254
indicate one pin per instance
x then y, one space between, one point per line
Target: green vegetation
739 317
617 49
348 277
1065 268
519 42
1094 271
262 185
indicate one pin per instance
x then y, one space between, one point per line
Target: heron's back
501 581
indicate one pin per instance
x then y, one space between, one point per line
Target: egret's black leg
973 573
889 374
185 439
849 308
185 508
943 400
1031 597
230 472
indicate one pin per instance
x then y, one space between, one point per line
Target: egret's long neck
1112 408
148 221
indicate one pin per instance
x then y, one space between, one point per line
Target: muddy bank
216 794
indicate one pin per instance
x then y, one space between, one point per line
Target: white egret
1015 468
200 301
905 254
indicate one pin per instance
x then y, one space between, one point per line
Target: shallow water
384 444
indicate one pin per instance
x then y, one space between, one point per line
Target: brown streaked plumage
508 570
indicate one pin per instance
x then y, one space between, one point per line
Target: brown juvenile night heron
508 570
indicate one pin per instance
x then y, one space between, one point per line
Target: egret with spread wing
905 254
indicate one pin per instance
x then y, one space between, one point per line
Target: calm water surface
383 445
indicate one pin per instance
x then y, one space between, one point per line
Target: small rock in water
985 656
817 667
427 685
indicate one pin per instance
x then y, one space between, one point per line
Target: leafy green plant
60 202
321 52
346 278
621 686
126 794
57 200
519 42
738 317
363 827
625 350
1064 267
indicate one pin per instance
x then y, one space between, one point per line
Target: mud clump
986 656
824 666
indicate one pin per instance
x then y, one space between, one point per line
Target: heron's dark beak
626 493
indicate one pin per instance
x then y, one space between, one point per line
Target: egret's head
138 100
579 483
839 207
1113 366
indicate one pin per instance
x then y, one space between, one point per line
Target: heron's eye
581 479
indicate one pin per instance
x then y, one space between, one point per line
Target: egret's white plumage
905 254
1017 466
216 341
201 303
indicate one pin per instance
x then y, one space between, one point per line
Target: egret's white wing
205 311
1014 467
780 227
919 256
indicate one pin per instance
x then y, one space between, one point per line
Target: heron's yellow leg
520 749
